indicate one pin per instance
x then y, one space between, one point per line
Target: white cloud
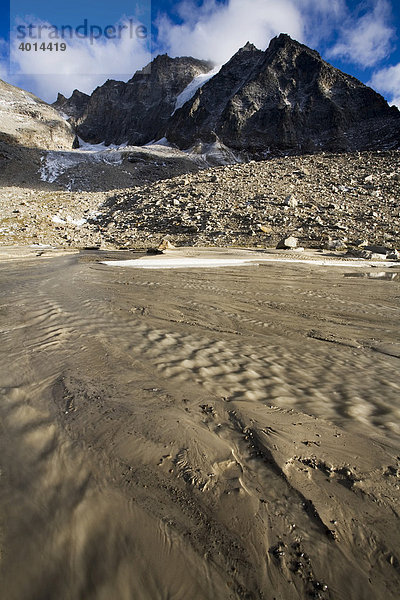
216 31
321 18
366 40
82 65
387 82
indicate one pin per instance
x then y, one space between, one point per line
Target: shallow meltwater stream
214 433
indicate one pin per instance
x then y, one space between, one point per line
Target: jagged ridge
137 111
286 99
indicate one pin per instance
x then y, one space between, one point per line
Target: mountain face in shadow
137 111
285 99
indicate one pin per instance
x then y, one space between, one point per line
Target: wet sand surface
198 433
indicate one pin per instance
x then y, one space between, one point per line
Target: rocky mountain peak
137 111
169 70
248 47
286 99
74 106
285 48
283 40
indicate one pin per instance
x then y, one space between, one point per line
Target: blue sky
359 37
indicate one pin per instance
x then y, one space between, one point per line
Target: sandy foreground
198 433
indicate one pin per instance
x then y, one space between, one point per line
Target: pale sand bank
33 251
227 433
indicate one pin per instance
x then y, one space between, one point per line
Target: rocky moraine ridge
285 99
337 201
331 201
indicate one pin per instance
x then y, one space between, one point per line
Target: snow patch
28 99
100 147
193 86
68 219
76 222
55 163
161 142
177 263
162 262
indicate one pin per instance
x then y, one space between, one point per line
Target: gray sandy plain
227 433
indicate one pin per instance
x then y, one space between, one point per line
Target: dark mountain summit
73 107
283 99
137 111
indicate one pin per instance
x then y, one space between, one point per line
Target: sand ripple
187 435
